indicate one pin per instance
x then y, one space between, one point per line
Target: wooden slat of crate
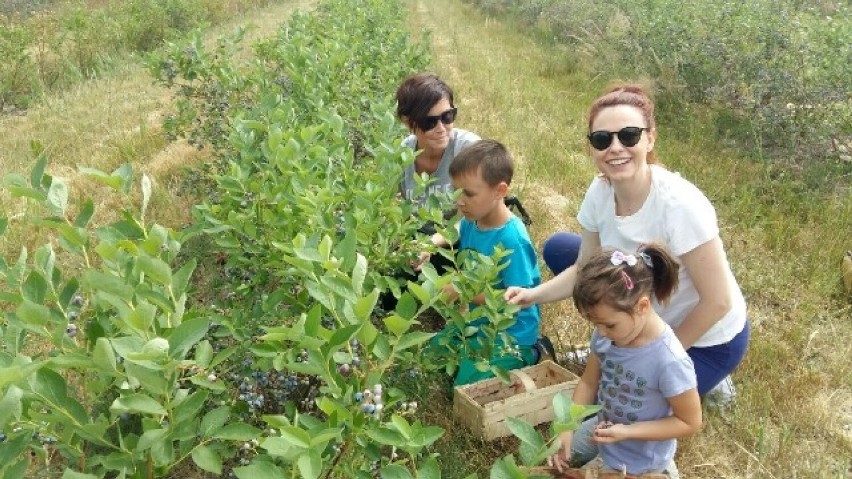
485 405
587 474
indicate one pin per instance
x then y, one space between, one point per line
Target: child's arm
684 421
584 393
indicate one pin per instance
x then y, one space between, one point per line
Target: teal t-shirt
521 270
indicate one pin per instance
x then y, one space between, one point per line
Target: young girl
639 373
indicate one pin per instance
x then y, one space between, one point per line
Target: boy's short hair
491 156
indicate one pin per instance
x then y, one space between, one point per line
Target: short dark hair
490 156
418 93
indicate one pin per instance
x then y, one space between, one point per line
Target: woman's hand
561 460
521 296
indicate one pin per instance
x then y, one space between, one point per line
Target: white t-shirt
678 215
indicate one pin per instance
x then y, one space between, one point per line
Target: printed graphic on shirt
622 392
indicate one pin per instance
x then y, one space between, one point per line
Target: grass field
793 416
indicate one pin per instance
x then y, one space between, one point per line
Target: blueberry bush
779 69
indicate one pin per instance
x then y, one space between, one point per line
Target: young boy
481 173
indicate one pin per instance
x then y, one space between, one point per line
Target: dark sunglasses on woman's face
627 136
447 117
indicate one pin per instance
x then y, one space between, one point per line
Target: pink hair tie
628 283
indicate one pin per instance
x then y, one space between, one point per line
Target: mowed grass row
794 410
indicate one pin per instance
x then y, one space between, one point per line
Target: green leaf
13 374
4 222
259 470
38 170
365 305
104 356
33 314
10 406
13 448
401 425
506 468
395 471
150 438
406 306
277 446
107 283
359 272
296 436
413 339
34 287
102 177
137 403
397 325
57 197
52 389
343 335
310 464
525 432
189 408
386 436
208 459
68 291
69 474
184 337
180 279
429 469
146 193
156 269
237 432
214 420
85 214
203 354
424 436
17 470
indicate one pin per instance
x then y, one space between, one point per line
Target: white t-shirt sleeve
690 218
591 209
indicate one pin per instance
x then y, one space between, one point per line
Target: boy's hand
422 259
521 296
450 293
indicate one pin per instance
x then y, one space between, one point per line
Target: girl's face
436 139
620 327
619 162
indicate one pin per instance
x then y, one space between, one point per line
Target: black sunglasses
447 117
627 136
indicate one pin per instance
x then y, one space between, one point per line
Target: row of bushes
58 45
779 68
123 367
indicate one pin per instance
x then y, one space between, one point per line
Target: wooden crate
484 405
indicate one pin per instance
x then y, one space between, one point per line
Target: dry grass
792 417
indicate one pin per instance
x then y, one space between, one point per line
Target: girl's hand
562 458
520 296
609 433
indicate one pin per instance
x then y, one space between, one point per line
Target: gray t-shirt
634 385
459 139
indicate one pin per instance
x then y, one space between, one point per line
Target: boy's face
478 201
